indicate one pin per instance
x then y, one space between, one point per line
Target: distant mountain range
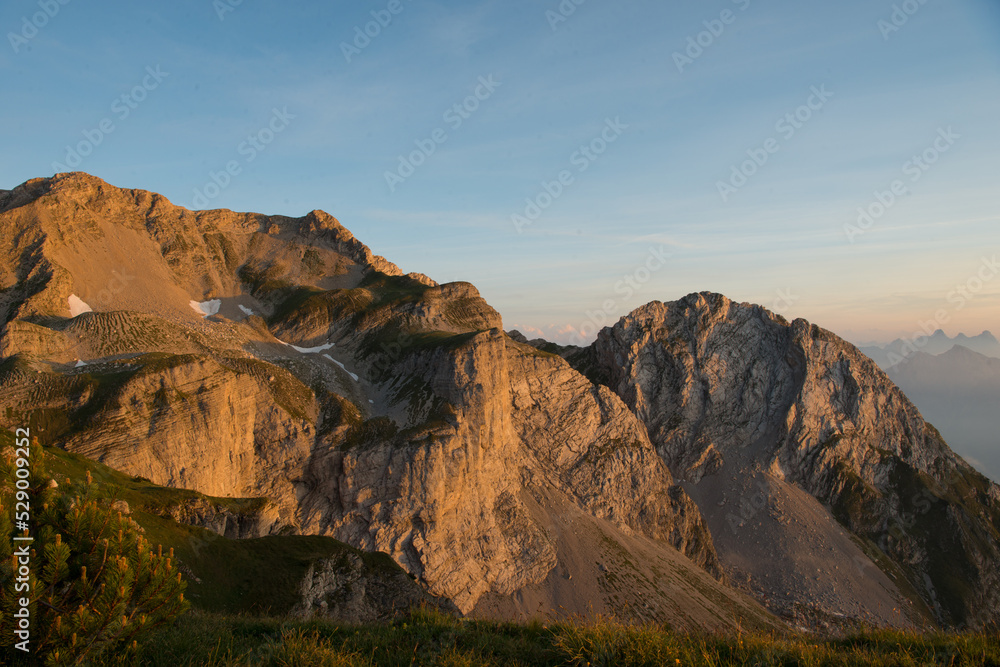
899 350
705 463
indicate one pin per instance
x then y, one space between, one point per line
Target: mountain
787 435
959 392
703 464
900 350
383 410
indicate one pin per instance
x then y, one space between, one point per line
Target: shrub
95 585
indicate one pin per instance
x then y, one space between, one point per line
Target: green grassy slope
429 638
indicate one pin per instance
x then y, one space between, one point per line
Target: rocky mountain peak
731 393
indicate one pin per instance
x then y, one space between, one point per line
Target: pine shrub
96 586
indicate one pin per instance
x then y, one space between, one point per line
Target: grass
432 638
262 575
388 289
295 303
288 392
388 345
139 492
396 343
336 410
371 432
547 351
263 279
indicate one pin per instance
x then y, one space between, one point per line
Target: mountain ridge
902 350
394 414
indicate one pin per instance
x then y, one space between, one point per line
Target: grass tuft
432 638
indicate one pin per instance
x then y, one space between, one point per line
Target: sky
573 160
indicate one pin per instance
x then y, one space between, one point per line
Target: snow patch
311 350
80 363
342 366
77 306
206 308
246 311
306 350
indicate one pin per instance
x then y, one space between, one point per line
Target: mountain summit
703 463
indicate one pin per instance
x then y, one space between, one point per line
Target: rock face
593 449
778 428
345 588
261 519
269 357
485 428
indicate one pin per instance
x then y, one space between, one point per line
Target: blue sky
649 200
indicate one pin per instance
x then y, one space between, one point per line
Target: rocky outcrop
440 489
222 427
260 518
585 442
347 589
729 389
481 424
